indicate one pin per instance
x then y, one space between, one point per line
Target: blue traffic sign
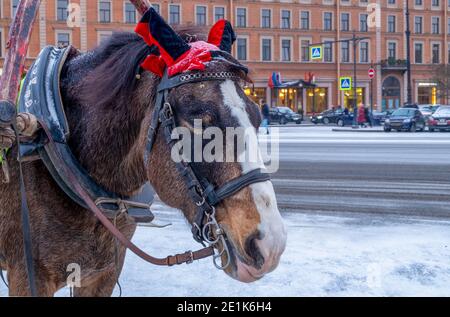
345 83
316 52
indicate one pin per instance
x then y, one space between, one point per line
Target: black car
405 119
283 115
440 120
339 117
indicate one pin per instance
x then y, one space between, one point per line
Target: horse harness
53 150
203 193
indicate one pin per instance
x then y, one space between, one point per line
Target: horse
109 110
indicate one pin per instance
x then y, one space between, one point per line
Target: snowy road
352 255
367 214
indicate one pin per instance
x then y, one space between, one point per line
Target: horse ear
155 31
222 35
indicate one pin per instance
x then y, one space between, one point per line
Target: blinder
203 193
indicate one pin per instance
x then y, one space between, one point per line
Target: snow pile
356 255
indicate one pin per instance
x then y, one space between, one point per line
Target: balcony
393 64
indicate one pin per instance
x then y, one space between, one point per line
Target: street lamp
408 56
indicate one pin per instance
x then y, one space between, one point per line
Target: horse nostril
252 250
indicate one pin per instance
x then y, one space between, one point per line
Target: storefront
349 97
427 93
316 99
290 94
257 94
287 97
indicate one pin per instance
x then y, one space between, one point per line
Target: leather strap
187 257
215 196
26 227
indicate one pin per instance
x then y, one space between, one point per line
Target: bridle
203 193
205 228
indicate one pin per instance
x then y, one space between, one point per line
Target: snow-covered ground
325 256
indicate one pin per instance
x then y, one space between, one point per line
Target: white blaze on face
271 226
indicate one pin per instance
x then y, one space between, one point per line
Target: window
345 52
328 52
62 39
435 3
242 49
435 53
266 18
392 50
219 13
345 21
105 11
448 25
305 50
266 50
391 1
61 10
174 14
241 14
418 22
156 7
304 20
327 21
418 53
285 19
435 25
391 23
364 52
448 53
363 22
418 2
200 15
286 50
130 13
15 4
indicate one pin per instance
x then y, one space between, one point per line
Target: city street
368 214
324 172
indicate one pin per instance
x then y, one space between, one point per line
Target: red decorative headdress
175 54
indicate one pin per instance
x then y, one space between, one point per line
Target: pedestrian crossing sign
316 52
345 83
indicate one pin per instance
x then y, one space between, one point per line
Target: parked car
283 115
434 108
378 118
426 110
440 120
405 119
339 117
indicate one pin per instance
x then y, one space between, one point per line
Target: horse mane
116 62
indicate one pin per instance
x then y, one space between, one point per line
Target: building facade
276 37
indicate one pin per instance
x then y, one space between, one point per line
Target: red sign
371 73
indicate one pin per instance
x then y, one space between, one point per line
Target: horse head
255 233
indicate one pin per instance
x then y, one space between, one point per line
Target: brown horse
109 112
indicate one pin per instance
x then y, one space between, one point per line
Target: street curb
292 125
356 130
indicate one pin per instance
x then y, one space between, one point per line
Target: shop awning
295 84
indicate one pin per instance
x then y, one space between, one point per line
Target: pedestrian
265 111
368 116
361 116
